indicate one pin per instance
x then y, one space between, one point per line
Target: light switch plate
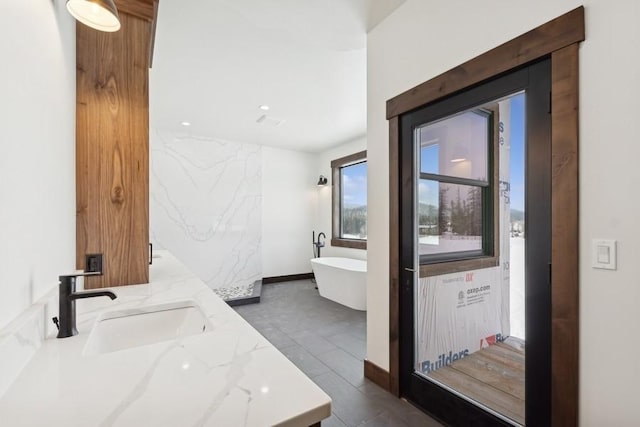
603 254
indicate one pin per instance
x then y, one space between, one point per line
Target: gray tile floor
327 341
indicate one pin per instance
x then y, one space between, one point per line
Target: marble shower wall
205 206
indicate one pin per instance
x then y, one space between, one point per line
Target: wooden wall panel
144 9
112 147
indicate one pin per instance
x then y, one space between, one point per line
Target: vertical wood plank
144 9
112 144
564 231
394 255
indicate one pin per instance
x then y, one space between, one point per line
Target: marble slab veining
230 376
205 206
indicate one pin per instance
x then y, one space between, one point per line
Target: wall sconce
322 181
101 15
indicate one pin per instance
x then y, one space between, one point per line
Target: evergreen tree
443 218
475 219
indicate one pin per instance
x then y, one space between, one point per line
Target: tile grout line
313 319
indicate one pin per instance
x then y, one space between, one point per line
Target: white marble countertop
228 377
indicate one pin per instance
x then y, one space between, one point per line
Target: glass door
480 184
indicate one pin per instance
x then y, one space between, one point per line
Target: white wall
289 204
233 213
420 40
37 163
323 222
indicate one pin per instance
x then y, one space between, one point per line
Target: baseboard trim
288 278
378 375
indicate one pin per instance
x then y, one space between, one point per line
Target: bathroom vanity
198 363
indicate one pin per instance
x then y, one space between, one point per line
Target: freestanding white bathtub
343 280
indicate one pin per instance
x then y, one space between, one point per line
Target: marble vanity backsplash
21 339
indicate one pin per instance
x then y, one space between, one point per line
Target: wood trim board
565 237
142 9
376 374
351 158
558 38
349 243
336 164
537 43
394 255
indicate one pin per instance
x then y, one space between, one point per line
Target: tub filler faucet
320 243
67 302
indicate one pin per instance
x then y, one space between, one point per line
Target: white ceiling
217 61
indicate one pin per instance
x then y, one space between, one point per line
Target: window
455 209
349 186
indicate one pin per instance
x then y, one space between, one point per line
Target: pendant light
98 14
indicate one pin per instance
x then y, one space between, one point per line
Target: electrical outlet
93 263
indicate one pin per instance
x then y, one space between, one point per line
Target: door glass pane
456 146
449 218
469 325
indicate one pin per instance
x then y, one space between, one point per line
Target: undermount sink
123 329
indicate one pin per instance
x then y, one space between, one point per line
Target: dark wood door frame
558 39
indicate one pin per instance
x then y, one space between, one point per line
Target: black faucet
320 244
67 302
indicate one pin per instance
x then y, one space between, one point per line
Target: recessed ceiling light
264 107
185 124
